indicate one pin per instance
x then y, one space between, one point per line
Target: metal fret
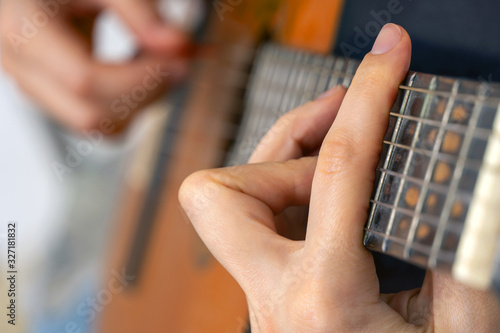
461 96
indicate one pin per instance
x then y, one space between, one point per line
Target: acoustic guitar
436 197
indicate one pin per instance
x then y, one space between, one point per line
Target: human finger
300 131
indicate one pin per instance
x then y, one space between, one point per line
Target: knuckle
337 154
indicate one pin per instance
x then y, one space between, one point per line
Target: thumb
143 19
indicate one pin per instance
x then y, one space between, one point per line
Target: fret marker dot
451 142
442 172
411 196
423 231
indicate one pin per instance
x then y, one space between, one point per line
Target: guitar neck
438 181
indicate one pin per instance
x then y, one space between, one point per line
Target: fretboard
434 203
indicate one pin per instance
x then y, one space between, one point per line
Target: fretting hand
326 282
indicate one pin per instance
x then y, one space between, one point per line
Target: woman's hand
327 281
47 46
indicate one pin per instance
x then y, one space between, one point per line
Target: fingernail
388 37
328 93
